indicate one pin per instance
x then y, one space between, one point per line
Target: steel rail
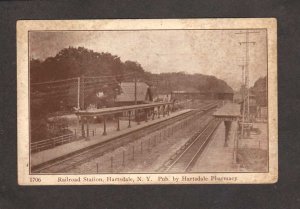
95 151
202 138
201 149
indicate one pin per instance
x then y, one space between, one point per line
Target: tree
259 89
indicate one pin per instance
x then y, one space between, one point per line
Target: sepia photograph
147 101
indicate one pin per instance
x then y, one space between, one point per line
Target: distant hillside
180 81
110 71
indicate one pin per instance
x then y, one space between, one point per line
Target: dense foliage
78 62
73 63
192 83
259 89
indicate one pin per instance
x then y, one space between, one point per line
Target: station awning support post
118 123
146 113
129 113
158 112
153 113
137 116
104 126
82 126
87 129
227 129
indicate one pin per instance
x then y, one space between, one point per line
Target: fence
52 142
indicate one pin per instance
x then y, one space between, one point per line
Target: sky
210 52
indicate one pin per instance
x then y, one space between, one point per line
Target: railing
50 143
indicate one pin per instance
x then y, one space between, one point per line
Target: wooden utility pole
169 88
246 112
243 89
80 100
78 93
82 92
135 88
135 98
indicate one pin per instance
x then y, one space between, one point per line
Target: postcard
156 101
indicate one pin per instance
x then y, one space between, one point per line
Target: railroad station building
131 96
144 94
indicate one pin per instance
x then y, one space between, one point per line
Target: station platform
216 157
219 158
65 149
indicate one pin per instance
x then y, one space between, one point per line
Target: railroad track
184 159
65 163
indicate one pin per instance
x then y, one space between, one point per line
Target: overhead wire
55 81
68 87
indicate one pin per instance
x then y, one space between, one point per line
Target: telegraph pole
78 93
243 73
81 102
243 88
135 99
82 92
246 112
